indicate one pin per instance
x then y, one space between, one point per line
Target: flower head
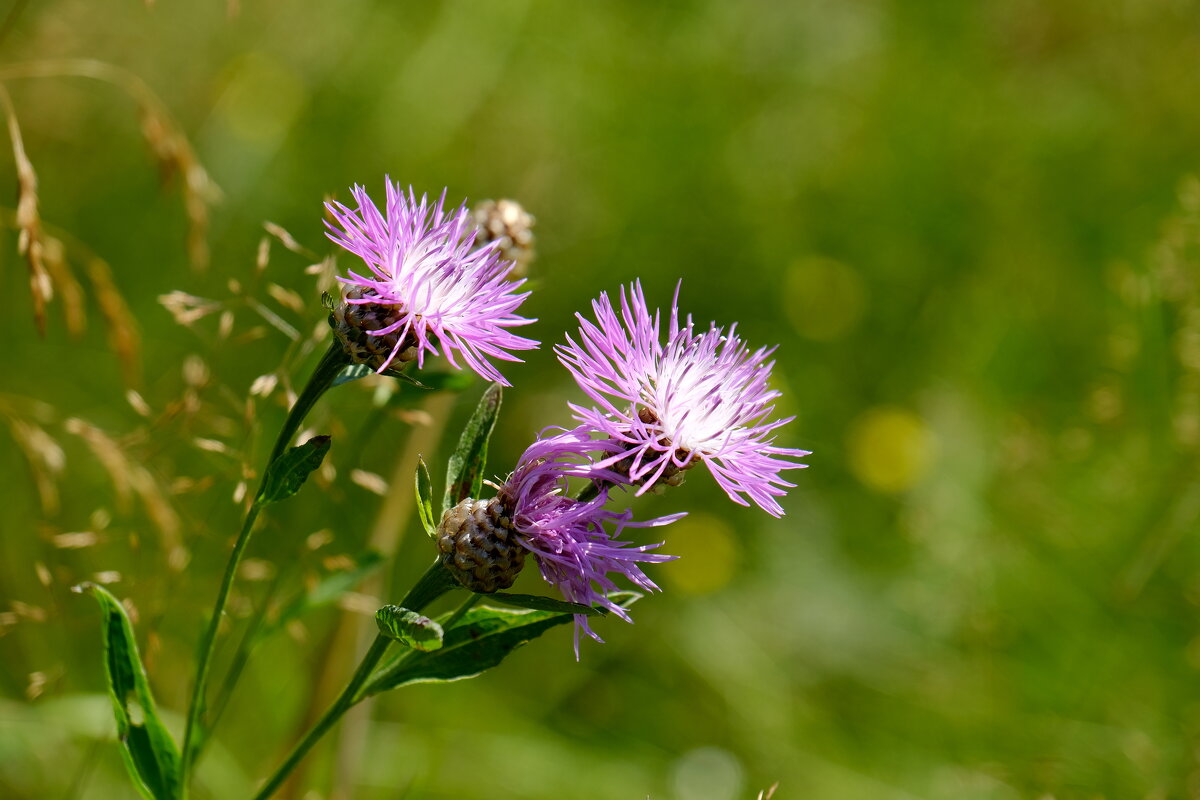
574 550
700 396
427 287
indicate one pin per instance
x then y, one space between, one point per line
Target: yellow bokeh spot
889 449
707 551
823 298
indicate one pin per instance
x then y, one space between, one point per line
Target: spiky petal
449 296
575 549
700 396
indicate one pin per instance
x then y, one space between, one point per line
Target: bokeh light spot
708 773
262 98
707 551
889 449
823 298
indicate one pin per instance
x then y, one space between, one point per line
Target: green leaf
287 474
404 377
450 381
464 472
425 498
626 598
540 603
409 628
479 640
149 752
351 373
435 381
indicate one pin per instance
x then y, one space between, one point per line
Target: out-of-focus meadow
972 228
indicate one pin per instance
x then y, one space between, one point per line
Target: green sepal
479 640
409 628
287 474
149 752
424 498
464 471
539 603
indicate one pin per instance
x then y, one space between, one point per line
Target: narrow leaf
409 628
464 472
425 498
479 640
149 752
404 377
450 381
352 373
287 474
545 604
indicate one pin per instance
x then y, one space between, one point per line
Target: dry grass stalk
131 478
169 146
75 540
54 258
370 481
288 241
58 249
44 456
123 335
187 308
30 243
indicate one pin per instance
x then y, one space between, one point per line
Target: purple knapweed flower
440 292
700 396
575 551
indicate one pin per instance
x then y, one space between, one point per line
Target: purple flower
424 266
701 396
574 550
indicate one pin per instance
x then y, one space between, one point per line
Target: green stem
328 368
340 706
435 582
208 643
241 657
589 492
464 608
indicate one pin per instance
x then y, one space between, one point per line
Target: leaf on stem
479 640
149 752
540 603
464 471
409 628
352 373
449 381
425 498
287 474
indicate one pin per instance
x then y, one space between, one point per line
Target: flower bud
510 224
479 545
354 323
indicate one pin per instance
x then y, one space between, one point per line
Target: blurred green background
972 228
